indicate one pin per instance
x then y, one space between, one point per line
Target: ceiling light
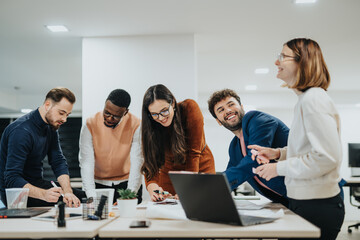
304 1
250 87
57 28
261 71
26 110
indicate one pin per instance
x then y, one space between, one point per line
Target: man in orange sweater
109 142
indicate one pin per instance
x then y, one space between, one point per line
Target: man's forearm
35 192
64 181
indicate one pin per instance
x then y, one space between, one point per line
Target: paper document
263 213
246 197
247 205
68 216
167 201
165 211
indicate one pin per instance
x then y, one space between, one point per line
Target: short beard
237 126
232 128
53 127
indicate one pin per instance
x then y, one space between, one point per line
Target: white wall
134 64
8 101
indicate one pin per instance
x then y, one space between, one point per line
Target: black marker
101 206
61 216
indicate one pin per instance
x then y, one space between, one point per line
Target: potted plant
127 202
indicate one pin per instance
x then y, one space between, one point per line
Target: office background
193 46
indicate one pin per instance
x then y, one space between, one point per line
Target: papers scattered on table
246 197
268 213
165 211
68 216
167 201
247 205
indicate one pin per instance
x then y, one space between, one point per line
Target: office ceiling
233 37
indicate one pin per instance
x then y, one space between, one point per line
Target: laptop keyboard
26 212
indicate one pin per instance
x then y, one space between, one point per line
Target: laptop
20 212
207 197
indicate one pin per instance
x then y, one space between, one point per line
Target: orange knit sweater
112 146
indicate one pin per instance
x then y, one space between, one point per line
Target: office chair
354 192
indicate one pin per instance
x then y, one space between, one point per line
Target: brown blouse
199 158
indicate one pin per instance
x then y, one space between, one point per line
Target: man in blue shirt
26 142
253 127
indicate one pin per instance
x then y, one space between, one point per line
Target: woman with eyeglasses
311 161
172 140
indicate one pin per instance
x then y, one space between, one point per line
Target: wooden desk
29 228
289 226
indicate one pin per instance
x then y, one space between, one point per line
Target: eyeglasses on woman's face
282 56
163 113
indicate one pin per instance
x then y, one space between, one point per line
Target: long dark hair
158 140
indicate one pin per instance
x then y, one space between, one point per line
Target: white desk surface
352 180
289 226
30 228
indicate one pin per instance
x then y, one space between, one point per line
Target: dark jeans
327 214
44 184
122 185
273 196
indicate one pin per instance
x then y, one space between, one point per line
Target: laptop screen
205 197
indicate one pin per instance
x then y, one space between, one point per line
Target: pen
52 183
163 193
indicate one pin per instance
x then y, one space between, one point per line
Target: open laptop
20 213
207 197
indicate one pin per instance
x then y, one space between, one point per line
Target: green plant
126 194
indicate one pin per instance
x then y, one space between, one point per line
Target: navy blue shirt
24 145
261 129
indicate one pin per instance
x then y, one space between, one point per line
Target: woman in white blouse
312 159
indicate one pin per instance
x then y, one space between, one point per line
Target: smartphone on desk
140 224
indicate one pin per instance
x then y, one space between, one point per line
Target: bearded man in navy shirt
26 142
250 128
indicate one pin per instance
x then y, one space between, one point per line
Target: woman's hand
267 171
157 193
263 155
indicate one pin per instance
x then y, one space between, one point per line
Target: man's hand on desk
71 200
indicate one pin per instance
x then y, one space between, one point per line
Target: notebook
207 197
20 213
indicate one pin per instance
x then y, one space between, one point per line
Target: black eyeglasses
282 56
163 113
115 117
